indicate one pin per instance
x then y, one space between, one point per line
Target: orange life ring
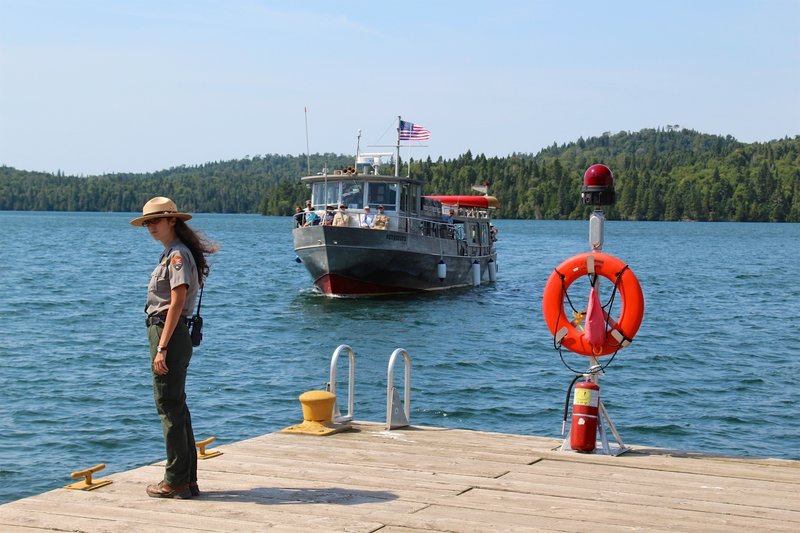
619 332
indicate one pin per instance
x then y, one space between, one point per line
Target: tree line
660 174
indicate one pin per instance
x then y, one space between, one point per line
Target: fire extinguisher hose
566 403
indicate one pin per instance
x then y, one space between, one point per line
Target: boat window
484 233
318 195
384 194
353 195
409 198
332 194
325 193
473 233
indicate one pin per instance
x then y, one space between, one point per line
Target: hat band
161 213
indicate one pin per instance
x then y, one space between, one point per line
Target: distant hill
660 174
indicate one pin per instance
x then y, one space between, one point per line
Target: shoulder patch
176 261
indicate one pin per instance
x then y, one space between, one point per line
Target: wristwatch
161 348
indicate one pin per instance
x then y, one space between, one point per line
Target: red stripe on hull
333 284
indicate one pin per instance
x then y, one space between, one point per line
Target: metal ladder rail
395 417
337 415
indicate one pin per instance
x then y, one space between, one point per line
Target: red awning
468 201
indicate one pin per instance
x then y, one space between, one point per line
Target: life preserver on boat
620 331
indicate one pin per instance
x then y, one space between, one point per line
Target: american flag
413 132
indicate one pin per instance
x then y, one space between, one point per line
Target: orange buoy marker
201 448
616 333
88 483
318 408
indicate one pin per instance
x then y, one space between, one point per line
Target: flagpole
397 159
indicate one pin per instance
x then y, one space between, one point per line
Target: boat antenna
308 156
397 159
358 148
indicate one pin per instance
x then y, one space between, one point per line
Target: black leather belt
160 320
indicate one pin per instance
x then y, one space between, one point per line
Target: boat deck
429 479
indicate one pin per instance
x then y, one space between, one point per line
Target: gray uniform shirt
175 267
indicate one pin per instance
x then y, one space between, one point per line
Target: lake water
711 369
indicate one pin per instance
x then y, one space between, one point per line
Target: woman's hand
160 363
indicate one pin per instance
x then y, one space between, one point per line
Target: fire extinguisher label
586 397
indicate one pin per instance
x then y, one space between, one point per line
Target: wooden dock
428 479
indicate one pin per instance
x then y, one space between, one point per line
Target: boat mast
308 153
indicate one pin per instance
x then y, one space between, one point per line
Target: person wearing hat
171 293
381 221
367 219
341 218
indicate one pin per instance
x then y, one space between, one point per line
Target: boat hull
345 261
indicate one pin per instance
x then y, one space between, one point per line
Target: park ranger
171 294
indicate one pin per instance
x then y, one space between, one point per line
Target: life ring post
593 332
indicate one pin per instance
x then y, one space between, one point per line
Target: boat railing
428 228
471 212
444 230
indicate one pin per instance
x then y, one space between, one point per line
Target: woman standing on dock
171 293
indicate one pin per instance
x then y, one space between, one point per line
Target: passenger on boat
312 218
341 218
381 221
174 283
299 217
367 219
328 219
449 230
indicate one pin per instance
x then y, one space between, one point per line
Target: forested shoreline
660 174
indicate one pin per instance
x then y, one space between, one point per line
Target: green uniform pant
170 396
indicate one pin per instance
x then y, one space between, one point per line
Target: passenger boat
418 250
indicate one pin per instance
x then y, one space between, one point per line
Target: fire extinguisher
585 412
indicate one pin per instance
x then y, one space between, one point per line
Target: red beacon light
598 186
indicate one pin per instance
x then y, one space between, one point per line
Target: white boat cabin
401 197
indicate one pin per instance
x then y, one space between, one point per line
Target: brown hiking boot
163 490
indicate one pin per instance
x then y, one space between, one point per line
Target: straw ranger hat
159 207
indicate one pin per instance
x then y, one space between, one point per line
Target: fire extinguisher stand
596 234
593 376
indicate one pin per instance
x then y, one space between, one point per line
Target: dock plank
652 490
619 512
418 480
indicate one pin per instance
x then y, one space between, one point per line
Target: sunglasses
152 221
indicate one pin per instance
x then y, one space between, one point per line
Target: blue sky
97 86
